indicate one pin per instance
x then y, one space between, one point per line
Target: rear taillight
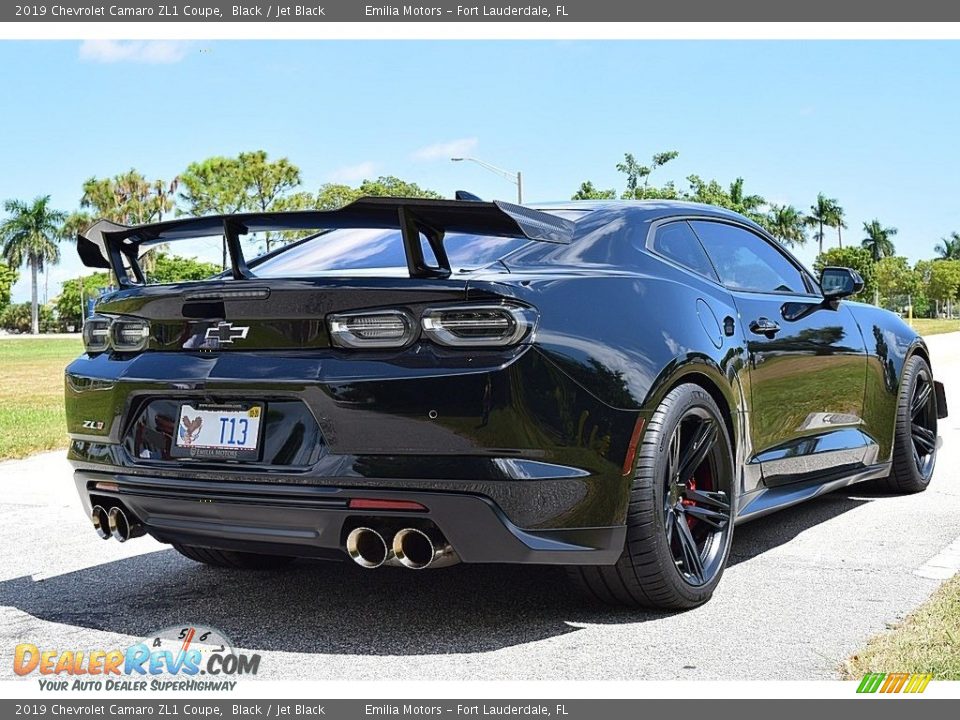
374 329
96 333
123 334
479 325
129 334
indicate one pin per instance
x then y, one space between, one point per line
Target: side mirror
840 282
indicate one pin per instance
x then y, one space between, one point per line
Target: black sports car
607 386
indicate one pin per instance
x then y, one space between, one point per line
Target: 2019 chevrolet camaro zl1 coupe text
607 386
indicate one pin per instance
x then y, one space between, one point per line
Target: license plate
227 431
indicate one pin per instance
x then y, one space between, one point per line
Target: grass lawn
929 326
926 642
31 394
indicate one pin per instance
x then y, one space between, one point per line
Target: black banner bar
471 11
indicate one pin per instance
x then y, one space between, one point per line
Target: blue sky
873 124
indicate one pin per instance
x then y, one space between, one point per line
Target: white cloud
150 52
446 150
353 173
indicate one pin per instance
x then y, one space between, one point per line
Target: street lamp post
515 177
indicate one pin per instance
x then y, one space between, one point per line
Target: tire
915 438
649 573
232 559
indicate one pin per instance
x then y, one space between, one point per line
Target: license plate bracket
222 431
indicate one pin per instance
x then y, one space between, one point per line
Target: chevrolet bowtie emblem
225 333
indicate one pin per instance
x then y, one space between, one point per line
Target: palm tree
29 236
837 221
878 239
744 204
822 214
787 225
949 247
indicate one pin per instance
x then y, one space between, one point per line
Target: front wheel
680 516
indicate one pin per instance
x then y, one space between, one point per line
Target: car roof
640 210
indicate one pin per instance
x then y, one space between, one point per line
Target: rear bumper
312 521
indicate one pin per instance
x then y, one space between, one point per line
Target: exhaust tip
101 522
414 548
119 526
367 548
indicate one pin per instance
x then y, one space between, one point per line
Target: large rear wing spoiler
119 247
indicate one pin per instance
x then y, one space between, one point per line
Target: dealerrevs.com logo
175 658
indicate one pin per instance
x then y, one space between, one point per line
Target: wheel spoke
691 554
920 400
916 457
670 523
713 518
924 438
696 450
705 497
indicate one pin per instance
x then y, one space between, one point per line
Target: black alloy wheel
696 498
915 437
680 513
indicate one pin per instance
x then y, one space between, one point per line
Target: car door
806 359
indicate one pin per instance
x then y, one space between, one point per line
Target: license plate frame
183 447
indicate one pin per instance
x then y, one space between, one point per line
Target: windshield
373 249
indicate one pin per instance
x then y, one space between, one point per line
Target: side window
677 242
745 261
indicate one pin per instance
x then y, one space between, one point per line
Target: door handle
764 326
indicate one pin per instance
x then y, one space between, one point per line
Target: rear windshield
340 251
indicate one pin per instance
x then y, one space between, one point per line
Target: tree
74 293
897 282
334 195
129 198
213 186
852 257
174 268
878 240
587 191
8 277
267 182
29 236
787 225
742 203
944 284
223 185
822 214
636 172
949 247
837 218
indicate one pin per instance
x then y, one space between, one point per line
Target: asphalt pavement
805 588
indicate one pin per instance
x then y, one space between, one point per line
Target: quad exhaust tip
101 522
367 548
123 528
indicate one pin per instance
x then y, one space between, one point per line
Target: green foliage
128 198
944 280
826 212
69 304
897 283
18 318
786 224
29 235
173 268
8 276
949 247
852 257
878 240
588 192
333 195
